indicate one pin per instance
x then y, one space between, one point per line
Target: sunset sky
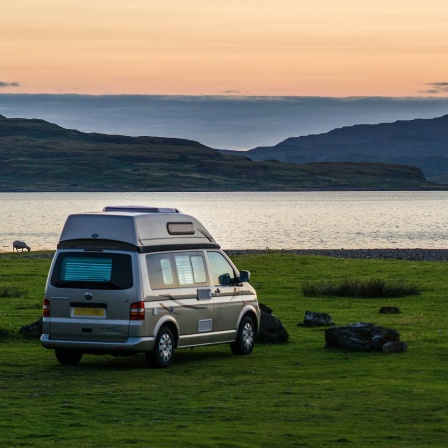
332 48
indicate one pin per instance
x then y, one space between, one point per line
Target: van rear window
95 271
89 269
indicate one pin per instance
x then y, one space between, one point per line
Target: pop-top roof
139 209
147 229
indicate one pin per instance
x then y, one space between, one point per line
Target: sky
231 74
335 48
221 122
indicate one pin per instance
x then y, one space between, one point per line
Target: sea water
253 220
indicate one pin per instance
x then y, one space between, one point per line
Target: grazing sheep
20 245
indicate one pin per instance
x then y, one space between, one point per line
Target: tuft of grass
370 288
10 292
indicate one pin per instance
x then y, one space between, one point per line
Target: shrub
10 291
371 288
3 333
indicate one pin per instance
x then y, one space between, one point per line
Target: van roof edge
139 209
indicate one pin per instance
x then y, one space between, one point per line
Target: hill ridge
36 155
421 142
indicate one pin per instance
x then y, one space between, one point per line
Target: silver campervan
140 279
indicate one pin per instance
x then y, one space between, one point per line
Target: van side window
160 271
221 268
169 270
190 269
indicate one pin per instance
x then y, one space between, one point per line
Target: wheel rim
165 347
247 336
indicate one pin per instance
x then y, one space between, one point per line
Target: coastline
392 254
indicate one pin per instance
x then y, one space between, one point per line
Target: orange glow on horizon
244 47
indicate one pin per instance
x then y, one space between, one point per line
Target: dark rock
271 329
395 347
360 336
265 309
33 330
389 310
314 319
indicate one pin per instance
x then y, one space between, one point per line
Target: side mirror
225 279
244 276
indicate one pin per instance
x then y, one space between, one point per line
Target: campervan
136 279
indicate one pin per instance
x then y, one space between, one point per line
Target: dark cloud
9 84
437 87
225 122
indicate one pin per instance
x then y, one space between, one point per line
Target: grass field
296 394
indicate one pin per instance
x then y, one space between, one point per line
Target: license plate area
94 311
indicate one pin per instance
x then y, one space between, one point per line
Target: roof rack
139 209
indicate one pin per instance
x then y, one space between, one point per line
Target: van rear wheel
163 353
68 356
245 340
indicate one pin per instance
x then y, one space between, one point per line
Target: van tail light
46 308
137 311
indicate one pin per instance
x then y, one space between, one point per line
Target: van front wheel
163 352
245 340
68 356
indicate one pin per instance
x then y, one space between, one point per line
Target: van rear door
90 294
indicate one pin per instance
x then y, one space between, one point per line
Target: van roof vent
139 209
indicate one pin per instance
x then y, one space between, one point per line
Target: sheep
20 245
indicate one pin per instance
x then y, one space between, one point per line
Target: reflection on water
254 220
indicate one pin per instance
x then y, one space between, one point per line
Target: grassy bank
41 156
296 394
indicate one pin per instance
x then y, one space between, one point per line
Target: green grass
352 287
294 394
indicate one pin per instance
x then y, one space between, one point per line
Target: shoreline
390 254
385 254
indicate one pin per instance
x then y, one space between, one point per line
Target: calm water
312 220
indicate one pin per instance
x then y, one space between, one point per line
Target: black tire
245 340
163 353
68 356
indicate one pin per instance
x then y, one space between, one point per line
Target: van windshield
92 270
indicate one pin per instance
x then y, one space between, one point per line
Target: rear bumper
131 345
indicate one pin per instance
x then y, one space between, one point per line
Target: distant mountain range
423 143
39 156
